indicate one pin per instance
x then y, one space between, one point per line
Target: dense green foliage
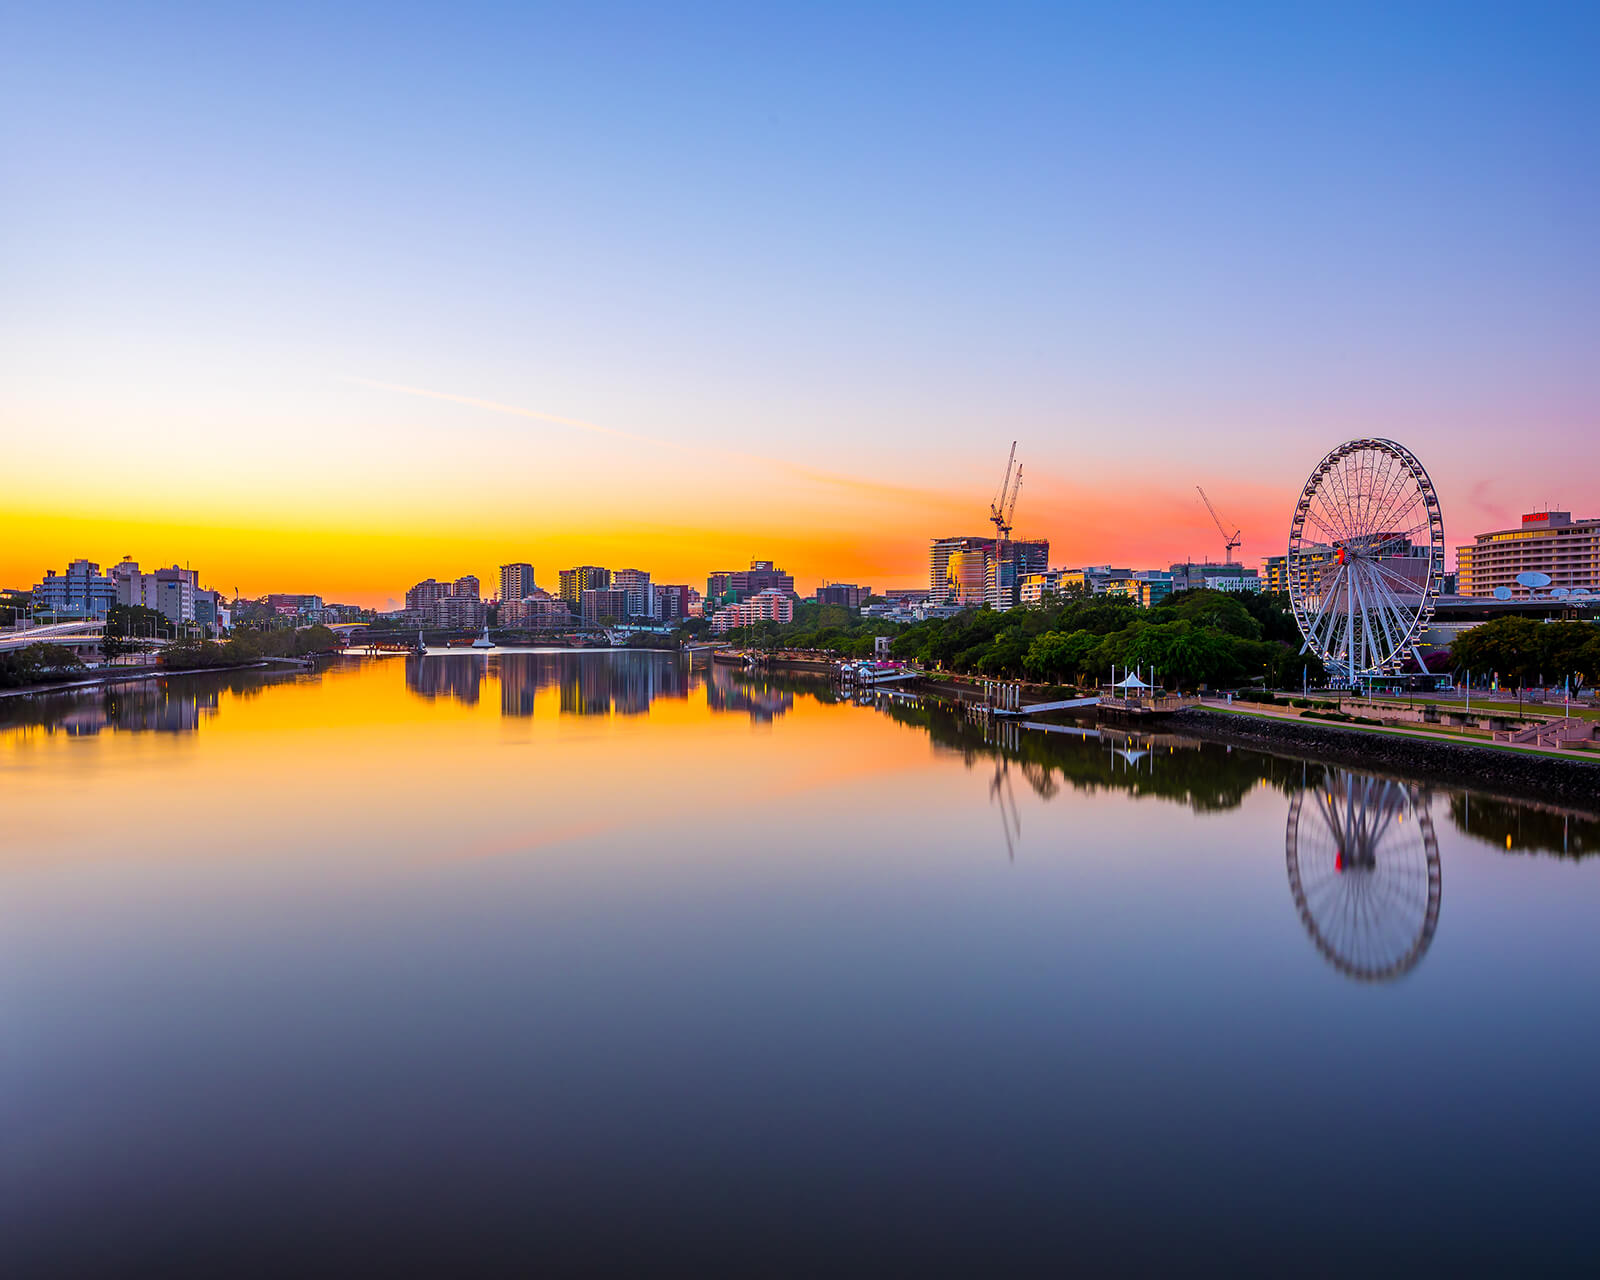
248 646
1192 638
1521 651
36 662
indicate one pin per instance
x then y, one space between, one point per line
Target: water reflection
591 684
178 704
1524 828
1364 871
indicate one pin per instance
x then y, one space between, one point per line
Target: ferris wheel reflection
1363 866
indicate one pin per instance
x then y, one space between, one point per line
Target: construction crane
1011 507
1005 502
1231 540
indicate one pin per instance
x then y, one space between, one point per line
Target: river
597 960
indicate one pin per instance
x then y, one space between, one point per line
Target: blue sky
1203 242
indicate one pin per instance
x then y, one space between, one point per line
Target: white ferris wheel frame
1358 615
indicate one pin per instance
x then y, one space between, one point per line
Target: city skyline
621 289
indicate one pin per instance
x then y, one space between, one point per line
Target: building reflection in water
1363 865
592 684
176 705
447 675
734 690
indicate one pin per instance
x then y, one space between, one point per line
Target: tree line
1192 638
1522 651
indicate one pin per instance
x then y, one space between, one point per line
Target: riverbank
1517 775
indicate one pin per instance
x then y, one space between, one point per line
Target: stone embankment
1564 780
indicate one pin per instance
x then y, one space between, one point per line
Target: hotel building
1549 542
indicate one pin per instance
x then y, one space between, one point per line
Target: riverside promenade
1453 735
1430 755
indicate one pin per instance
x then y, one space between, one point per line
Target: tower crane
1005 502
1231 540
1011 507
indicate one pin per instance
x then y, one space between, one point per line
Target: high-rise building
763 575
1006 564
586 577
956 571
460 612
672 601
420 598
82 589
635 584
516 581
961 583
467 588
737 584
604 605
171 592
1550 542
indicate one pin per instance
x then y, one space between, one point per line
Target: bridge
72 635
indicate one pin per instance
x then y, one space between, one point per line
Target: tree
1511 647
37 662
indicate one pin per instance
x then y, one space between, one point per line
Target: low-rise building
1208 575
301 610
81 590
1145 587
843 593
771 605
539 609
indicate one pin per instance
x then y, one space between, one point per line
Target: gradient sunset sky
331 298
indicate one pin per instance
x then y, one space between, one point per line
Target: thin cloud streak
850 483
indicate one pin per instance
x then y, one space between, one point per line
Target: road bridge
72 635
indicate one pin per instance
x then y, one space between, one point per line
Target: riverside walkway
1459 738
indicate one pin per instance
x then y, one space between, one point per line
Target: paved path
1434 735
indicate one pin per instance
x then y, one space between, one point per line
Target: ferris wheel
1364 870
1366 558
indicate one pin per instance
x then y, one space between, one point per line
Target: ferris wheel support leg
1350 625
1417 654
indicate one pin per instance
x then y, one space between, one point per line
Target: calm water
595 960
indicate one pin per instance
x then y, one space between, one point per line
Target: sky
332 298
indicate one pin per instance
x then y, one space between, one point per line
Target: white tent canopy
1132 682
